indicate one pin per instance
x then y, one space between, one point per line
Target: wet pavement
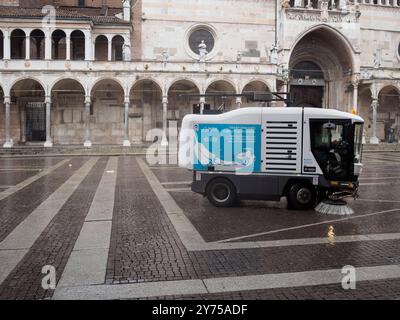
160 240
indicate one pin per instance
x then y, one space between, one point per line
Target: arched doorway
321 66
27 101
307 85
107 112
255 86
179 106
219 102
388 114
68 97
146 109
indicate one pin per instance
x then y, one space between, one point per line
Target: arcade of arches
104 115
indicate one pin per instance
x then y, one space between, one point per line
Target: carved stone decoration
324 11
273 54
377 59
239 56
202 51
366 74
165 56
285 4
126 52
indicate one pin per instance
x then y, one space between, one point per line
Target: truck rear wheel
221 192
301 196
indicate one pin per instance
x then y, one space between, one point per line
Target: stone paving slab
16 205
55 242
134 239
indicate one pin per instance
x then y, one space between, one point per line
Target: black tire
301 196
221 192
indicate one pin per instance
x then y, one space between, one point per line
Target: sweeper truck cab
304 154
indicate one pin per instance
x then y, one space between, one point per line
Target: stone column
88 142
49 142
7 118
88 47
47 45
202 103
126 142
68 48
109 55
374 105
6 45
164 141
27 47
238 102
355 96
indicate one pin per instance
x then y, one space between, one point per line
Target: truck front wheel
301 196
221 192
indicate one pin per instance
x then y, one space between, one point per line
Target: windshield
358 135
332 146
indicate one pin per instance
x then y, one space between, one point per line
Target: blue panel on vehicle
228 147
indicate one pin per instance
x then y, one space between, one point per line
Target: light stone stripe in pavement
224 284
175 182
32 179
178 189
188 234
310 225
22 169
87 263
26 233
193 241
257 244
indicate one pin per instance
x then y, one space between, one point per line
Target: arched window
18 39
77 45
117 48
101 48
37 46
58 46
1 45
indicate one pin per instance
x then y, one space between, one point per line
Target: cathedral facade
107 71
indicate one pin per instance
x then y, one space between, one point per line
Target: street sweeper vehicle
307 155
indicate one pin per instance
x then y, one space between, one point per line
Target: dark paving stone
55 244
16 207
252 217
14 177
365 290
10 163
172 174
144 244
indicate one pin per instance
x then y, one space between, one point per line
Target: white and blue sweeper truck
264 153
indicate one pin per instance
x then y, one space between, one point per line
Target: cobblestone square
114 227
